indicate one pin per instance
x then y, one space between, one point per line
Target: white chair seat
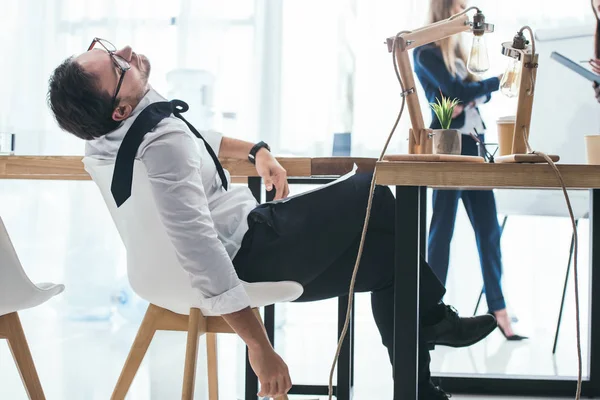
266 293
17 292
261 294
40 293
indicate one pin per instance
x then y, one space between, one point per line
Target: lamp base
524 158
433 158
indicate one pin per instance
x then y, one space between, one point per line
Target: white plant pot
446 141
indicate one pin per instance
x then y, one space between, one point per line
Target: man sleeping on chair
222 235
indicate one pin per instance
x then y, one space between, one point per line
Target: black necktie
144 123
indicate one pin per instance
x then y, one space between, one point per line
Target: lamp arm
430 33
528 28
464 12
439 30
532 83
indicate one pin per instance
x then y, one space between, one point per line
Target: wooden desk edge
71 167
485 175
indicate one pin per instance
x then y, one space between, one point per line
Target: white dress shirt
205 223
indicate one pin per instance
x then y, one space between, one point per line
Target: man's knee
363 183
385 194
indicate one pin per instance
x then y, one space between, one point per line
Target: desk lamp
419 141
519 81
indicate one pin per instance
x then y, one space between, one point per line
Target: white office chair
156 276
18 293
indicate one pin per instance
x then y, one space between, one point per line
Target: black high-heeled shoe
513 338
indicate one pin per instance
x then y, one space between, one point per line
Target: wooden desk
411 180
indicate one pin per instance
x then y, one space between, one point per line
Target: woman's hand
458 109
273 173
597 89
595 63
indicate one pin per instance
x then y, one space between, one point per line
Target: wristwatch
255 149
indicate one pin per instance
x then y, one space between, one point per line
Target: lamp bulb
510 83
478 62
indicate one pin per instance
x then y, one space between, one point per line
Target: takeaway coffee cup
506 132
592 148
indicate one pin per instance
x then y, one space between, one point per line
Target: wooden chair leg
12 330
191 354
137 352
213 369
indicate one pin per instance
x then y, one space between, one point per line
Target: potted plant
445 140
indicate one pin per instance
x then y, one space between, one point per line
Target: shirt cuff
233 300
494 84
481 100
214 140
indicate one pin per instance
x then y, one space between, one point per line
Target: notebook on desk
572 65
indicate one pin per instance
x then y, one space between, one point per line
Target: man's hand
597 90
271 370
273 174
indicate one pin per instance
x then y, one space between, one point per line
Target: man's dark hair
79 105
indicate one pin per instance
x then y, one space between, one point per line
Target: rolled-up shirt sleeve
174 170
214 139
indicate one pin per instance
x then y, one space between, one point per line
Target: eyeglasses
119 61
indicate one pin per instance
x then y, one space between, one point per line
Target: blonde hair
452 47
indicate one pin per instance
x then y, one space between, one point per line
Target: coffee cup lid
507 120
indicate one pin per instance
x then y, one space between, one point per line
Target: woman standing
441 67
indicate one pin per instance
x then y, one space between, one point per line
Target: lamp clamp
407 92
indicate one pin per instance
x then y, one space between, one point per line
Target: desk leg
406 289
251 384
423 220
593 335
344 368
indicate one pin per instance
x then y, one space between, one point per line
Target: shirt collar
152 96
110 142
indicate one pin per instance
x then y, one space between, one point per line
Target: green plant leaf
443 110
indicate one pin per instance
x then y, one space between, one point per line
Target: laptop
581 70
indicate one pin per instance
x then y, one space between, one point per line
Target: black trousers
313 239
